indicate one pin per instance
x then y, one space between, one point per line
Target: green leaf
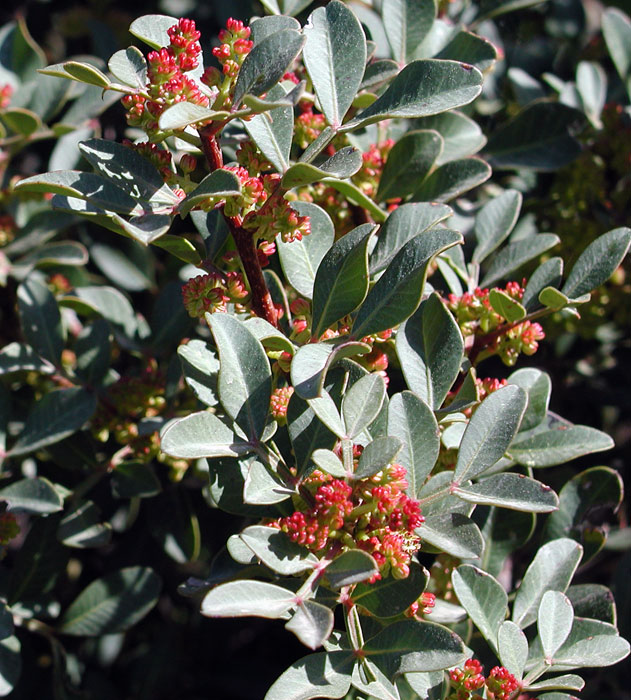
409 646
567 682
19 357
593 652
409 162
593 490
551 570
591 85
522 143
277 551
490 432
407 23
558 445
21 121
403 224
306 432
180 248
244 598
82 527
85 73
315 676
113 603
356 196
471 48
311 363
548 274
264 26
516 254
378 454
397 293
538 387
220 183
552 298
594 601
57 415
484 599
554 621
10 664
453 533
369 680
377 73
86 186
130 67
506 306
452 179
20 54
32 496
301 259
262 486
312 623
389 597
512 646
510 490
183 114
422 88
244 383
329 462
504 531
173 523
40 319
335 56
93 349
145 229
326 410
272 131
430 348
200 367
38 563
59 253
125 167
616 27
342 164
412 421
461 135
266 64
362 403
351 567
152 29
113 306
494 222
341 281
134 480
597 262
201 434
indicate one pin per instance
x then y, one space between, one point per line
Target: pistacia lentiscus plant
331 325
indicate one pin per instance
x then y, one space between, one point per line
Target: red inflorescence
6 91
500 684
374 514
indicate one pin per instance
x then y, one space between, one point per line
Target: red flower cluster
166 82
374 514
466 680
500 684
423 606
231 52
6 91
476 316
210 293
309 125
369 175
280 403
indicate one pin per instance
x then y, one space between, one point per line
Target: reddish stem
262 304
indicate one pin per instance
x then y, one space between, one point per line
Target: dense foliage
259 344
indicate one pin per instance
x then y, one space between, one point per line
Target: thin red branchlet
476 317
374 514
